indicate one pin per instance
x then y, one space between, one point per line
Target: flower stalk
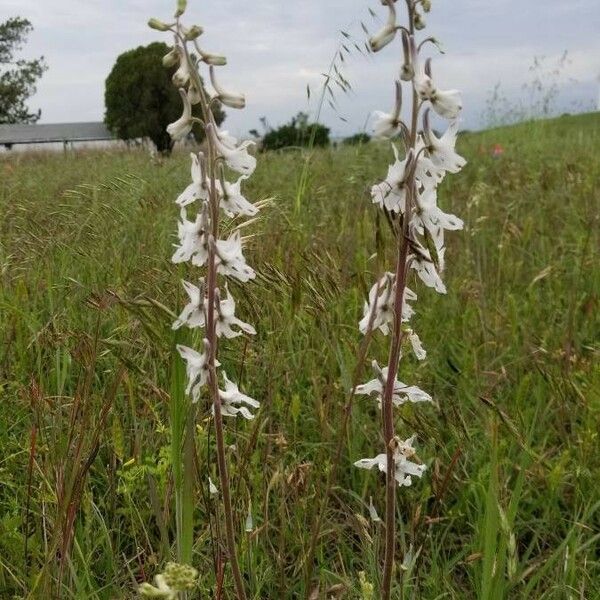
408 195
211 305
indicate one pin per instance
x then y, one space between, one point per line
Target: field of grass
510 504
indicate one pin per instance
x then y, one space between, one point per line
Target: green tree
17 76
141 99
357 139
298 132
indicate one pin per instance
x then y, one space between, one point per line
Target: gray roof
54 132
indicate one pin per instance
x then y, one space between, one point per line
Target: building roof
53 132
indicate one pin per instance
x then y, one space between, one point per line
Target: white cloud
275 48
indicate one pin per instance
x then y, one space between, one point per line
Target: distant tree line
140 99
18 77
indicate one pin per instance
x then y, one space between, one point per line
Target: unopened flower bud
171 58
193 32
158 25
387 33
231 99
181 6
215 60
419 21
180 577
426 4
407 71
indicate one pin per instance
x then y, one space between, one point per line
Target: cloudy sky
276 47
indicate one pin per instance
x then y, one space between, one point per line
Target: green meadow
91 387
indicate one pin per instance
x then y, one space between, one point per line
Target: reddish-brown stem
211 336
394 359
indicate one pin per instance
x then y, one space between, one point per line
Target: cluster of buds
174 579
408 195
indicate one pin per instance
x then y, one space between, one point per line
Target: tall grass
511 507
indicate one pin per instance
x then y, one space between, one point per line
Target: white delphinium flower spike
389 125
404 469
200 243
233 401
388 32
408 196
182 127
402 393
441 151
227 319
231 99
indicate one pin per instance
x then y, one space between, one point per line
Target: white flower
391 192
428 216
196 367
422 263
417 346
233 202
212 488
236 158
387 33
426 173
231 261
193 240
232 398
404 469
381 300
193 314
388 125
182 127
402 393
231 99
224 136
182 75
198 189
447 104
227 319
441 150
